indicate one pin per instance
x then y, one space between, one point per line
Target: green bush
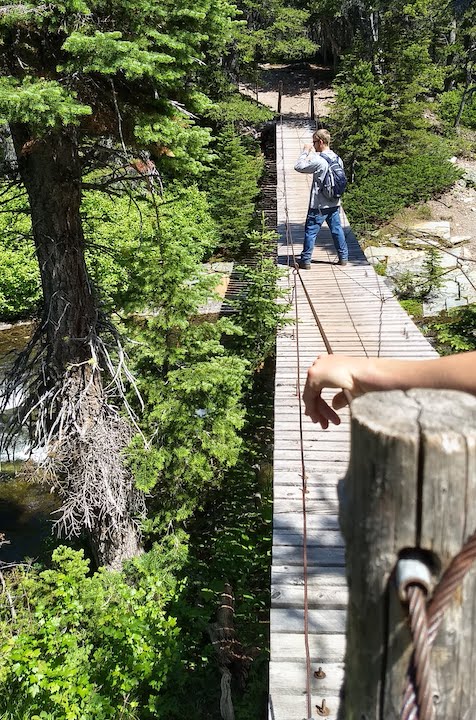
449 104
81 646
124 252
20 287
233 189
454 330
385 191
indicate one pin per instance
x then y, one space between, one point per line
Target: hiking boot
341 261
304 265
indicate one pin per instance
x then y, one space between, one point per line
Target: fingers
320 412
339 401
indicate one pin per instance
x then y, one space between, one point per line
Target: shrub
20 287
232 192
378 196
81 646
124 248
454 330
449 105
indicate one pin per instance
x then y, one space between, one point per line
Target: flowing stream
25 506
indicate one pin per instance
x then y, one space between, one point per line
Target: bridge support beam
411 487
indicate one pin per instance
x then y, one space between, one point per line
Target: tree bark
98 491
51 173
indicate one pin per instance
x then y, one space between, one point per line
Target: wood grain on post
411 484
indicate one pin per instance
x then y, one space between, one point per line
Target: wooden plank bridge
360 317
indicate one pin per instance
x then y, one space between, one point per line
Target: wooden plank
324 538
315 523
316 576
289 678
322 648
284 596
291 555
292 707
292 620
315 491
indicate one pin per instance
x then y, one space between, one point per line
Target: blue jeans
314 220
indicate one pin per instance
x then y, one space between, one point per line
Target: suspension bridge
340 309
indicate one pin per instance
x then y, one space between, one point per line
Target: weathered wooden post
311 92
411 484
280 95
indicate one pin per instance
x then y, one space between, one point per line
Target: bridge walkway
360 317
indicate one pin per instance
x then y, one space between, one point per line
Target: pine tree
233 189
80 81
359 115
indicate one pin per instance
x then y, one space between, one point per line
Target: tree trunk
87 441
449 81
51 172
468 91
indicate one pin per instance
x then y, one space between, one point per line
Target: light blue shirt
311 162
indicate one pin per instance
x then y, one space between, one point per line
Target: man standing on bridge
321 207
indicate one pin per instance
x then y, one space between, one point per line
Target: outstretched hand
330 371
359 375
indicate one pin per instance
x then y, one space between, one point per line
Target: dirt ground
457 206
296 96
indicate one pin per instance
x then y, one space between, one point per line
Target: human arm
360 375
309 160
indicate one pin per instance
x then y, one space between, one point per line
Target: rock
458 239
436 306
470 176
438 228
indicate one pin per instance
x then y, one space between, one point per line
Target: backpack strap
328 159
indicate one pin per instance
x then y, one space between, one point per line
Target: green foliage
20 289
193 415
116 74
233 190
379 195
239 110
421 284
41 103
125 252
454 330
449 104
190 386
83 646
432 271
413 307
230 541
359 115
261 303
378 115
274 32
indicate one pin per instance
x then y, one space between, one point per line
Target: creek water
25 506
